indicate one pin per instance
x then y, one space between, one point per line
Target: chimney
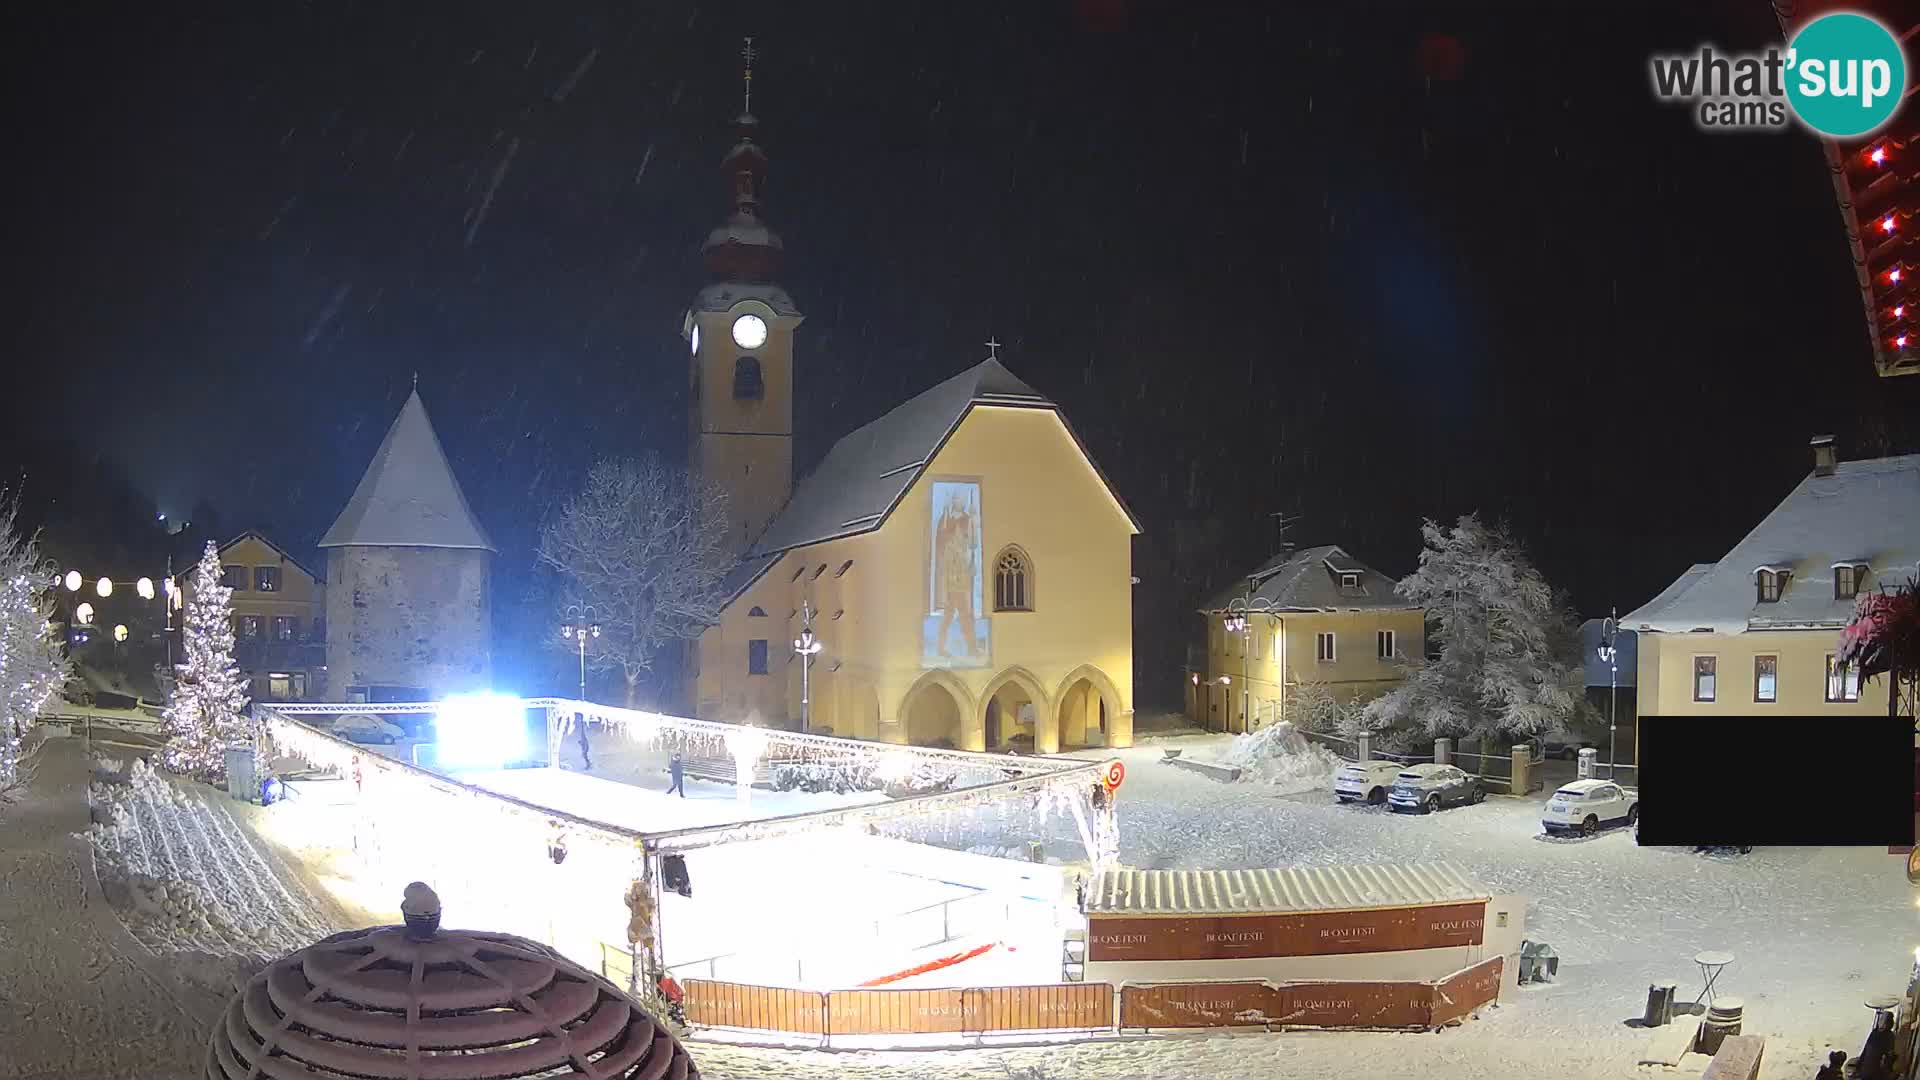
1824 456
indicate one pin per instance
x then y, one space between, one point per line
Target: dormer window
1847 578
1349 581
1771 584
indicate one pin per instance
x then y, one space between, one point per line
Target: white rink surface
1815 932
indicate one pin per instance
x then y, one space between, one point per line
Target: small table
1711 964
1883 1004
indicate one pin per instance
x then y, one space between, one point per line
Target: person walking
677 770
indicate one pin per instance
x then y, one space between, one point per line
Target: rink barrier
1411 1006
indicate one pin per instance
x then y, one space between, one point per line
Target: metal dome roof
419 1004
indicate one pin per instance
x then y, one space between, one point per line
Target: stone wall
409 617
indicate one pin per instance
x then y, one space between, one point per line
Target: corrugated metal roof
1303 888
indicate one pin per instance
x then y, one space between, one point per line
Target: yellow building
1757 631
279 626
965 568
1312 617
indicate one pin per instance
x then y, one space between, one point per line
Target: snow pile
1278 755
183 875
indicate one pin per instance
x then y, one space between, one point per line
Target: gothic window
757 613
747 385
1012 581
757 656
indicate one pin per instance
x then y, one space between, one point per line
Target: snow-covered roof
408 497
1302 888
1865 510
1309 579
722 295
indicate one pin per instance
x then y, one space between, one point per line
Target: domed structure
419 1003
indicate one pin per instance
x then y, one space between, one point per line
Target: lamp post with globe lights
806 646
83 612
579 627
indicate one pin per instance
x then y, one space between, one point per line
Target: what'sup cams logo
1842 75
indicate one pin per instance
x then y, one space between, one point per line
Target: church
958 572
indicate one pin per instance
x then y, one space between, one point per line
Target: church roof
866 474
408 497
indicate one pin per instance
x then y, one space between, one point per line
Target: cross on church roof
748 53
993 349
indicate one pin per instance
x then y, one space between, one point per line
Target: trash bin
242 782
1660 1004
1723 1019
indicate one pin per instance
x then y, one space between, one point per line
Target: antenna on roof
416 380
1282 524
993 349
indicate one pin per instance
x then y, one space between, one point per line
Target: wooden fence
1091 1006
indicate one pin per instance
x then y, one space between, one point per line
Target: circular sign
1913 866
1846 74
1114 774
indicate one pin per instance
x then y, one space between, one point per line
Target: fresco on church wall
956 632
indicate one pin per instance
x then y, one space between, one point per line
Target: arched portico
1088 707
937 708
1001 709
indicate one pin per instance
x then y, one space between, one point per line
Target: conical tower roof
409 497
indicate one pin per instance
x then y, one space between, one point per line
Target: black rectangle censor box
1776 781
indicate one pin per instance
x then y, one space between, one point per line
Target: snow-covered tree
644 545
1508 652
32 668
206 713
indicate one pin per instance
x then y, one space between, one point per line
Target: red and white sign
1115 773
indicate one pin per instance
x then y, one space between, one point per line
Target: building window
844 567
1323 647
1843 682
234 577
1846 582
837 614
747 385
796 574
317 629
285 628
757 613
817 571
1384 640
1766 679
1704 668
1012 581
757 656
252 627
1349 581
266 579
286 685
1771 584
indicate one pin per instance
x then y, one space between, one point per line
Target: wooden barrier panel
764 1008
1077 1006
1303 933
894 1012
1208 1004
1464 991
1353 1004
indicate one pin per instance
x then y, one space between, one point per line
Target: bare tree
643 544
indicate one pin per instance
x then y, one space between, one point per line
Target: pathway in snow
75 999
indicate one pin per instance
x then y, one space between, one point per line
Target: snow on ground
636 805
1277 755
186 877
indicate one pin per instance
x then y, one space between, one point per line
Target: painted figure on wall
956 632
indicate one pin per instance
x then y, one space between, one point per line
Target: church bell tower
739 333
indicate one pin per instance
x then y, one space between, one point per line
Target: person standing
677 770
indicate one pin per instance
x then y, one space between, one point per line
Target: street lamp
1610 656
806 646
578 628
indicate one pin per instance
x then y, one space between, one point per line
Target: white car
362 728
1585 806
1365 781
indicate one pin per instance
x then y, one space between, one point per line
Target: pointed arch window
1012 580
747 384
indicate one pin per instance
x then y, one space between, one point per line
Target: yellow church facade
988 605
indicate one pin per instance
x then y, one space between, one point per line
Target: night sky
1361 265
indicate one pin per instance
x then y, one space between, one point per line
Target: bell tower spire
740 332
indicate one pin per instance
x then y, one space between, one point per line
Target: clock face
693 340
749 332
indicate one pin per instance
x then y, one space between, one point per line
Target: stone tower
739 331
409 577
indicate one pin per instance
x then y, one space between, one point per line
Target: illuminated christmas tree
207 711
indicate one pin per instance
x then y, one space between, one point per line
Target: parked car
1365 781
1423 789
1587 806
365 728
